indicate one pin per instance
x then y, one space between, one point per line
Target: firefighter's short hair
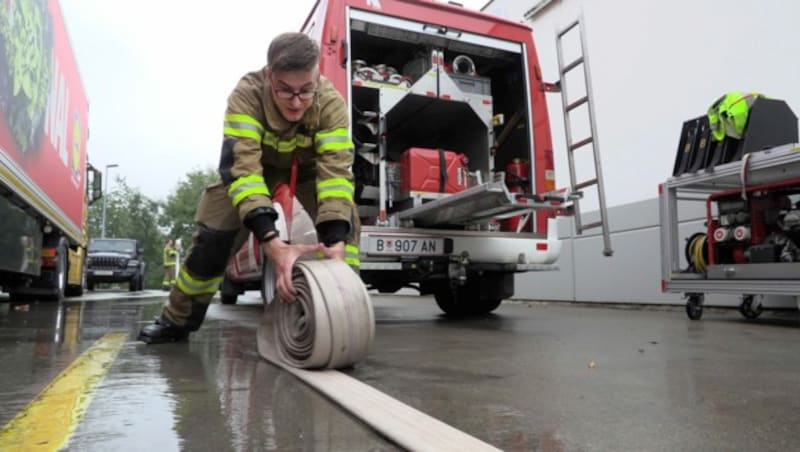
292 52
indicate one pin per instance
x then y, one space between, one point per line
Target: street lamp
105 195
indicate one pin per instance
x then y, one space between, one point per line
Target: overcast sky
158 73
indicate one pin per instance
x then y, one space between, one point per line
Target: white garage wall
654 64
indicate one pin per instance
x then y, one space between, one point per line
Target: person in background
170 258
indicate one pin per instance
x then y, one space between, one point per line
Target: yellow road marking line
49 420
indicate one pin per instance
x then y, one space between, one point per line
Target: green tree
130 214
177 216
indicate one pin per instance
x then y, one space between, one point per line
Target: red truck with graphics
44 171
455 183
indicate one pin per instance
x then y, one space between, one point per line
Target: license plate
400 246
103 272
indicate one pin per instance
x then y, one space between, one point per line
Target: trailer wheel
747 310
228 299
228 291
694 307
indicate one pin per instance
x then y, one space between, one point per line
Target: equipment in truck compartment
434 171
516 180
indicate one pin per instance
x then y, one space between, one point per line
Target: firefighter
282 115
170 256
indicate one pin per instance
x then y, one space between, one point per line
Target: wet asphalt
532 376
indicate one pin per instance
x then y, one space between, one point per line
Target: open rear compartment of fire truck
425 107
443 162
749 244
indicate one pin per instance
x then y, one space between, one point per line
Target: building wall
653 66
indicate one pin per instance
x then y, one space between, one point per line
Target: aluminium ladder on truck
570 106
770 166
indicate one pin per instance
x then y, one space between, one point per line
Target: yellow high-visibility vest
169 255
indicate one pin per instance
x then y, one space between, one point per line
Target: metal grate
109 262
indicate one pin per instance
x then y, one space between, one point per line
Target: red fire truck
454 173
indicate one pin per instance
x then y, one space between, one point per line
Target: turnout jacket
259 140
170 255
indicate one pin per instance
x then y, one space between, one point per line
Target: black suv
115 260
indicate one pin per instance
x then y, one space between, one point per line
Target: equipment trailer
751 245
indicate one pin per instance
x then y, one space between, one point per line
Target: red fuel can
434 170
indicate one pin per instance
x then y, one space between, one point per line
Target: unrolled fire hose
331 325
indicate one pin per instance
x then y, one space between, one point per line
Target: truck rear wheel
460 302
58 281
480 295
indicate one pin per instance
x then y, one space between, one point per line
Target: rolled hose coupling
464 65
330 325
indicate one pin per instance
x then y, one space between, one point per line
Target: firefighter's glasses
286 94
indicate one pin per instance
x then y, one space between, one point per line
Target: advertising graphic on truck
43 161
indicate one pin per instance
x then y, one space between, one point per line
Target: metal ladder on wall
572 146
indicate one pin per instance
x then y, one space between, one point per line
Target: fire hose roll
330 325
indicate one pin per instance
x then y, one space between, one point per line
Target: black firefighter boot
164 330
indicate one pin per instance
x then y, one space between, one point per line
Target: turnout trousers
219 234
169 275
